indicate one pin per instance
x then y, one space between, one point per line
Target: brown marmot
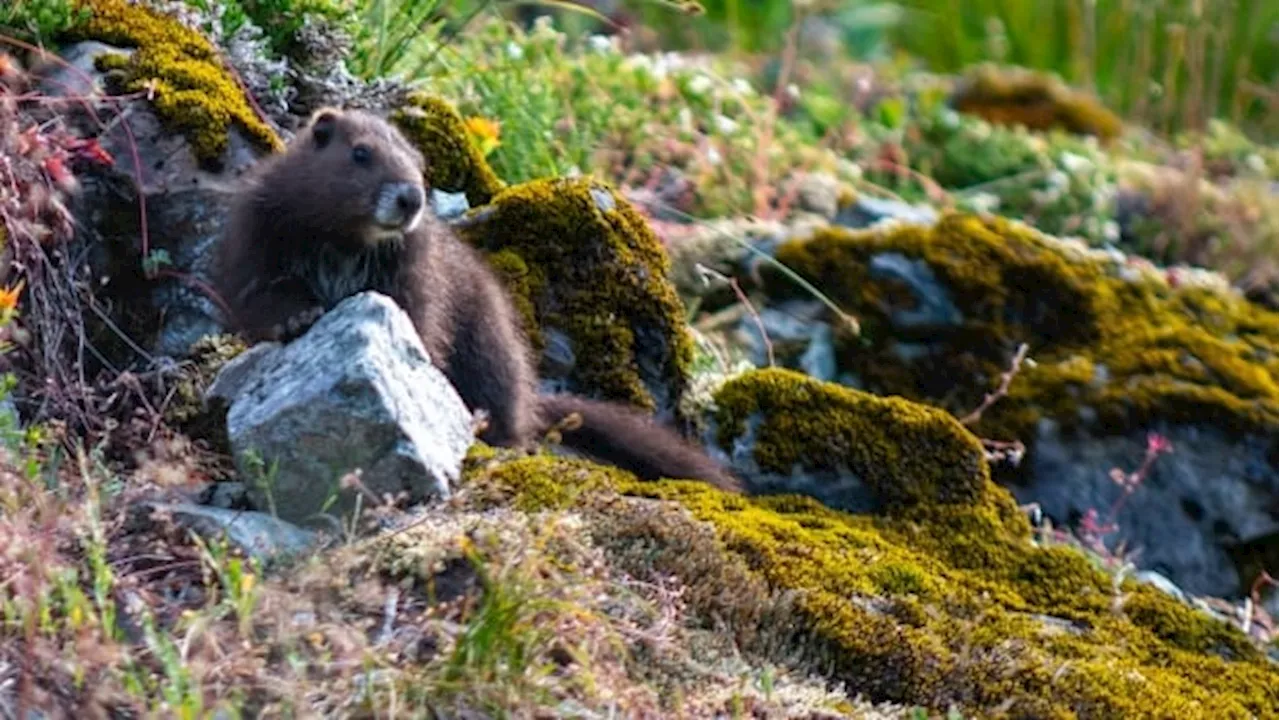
344 210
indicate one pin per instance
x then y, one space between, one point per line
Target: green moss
187 409
1111 338
906 452
581 260
881 603
190 87
1183 627
1035 100
540 482
454 163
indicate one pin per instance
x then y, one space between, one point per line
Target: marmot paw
296 324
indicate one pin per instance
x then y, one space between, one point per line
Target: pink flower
1157 443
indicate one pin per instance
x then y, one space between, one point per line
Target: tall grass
1169 64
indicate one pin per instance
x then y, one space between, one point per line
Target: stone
357 391
1212 492
867 212
259 535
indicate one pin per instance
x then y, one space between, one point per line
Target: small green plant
279 20
394 35
41 20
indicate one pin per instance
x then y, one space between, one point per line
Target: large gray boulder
356 392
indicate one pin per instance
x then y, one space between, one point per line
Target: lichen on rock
454 163
1035 100
188 411
180 70
591 281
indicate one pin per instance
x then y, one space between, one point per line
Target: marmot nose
409 200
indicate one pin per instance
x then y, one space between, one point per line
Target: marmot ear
323 122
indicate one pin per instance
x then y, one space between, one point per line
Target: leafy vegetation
588 591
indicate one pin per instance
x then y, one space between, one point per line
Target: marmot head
368 179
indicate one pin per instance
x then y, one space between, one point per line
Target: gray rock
259 535
934 306
1160 582
226 495
798 335
819 359
449 206
868 211
357 391
1214 492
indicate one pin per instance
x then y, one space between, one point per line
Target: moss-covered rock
181 71
454 163
591 280
856 450
1119 349
940 604
1108 335
1035 100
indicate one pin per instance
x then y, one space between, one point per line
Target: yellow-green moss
454 163
905 451
187 410
1036 100
580 259
881 604
1131 349
191 88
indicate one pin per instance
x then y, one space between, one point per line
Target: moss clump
1115 346
454 163
187 411
939 604
191 89
907 453
582 262
1035 100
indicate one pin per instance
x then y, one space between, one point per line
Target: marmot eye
361 154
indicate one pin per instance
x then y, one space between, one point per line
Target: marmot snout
398 206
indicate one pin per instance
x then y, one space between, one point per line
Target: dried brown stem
1005 379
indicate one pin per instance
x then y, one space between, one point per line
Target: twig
706 272
1005 379
850 321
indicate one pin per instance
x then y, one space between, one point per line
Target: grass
1168 64
495 612
564 106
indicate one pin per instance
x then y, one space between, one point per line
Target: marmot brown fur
344 210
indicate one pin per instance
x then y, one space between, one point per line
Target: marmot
344 210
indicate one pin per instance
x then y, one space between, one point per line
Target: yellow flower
9 298
485 133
